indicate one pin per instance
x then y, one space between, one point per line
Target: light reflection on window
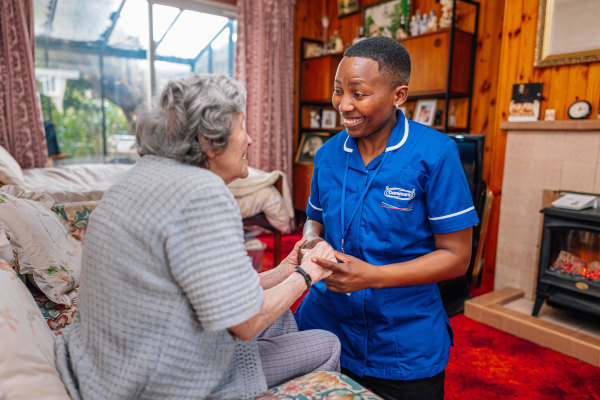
93 71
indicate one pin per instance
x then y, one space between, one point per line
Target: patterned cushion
47 250
57 316
320 385
27 369
76 216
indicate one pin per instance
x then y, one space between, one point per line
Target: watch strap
306 276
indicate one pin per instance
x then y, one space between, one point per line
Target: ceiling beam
168 29
114 17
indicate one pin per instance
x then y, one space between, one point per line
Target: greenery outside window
96 73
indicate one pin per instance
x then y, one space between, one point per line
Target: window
94 71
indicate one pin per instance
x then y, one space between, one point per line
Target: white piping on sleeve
316 208
451 215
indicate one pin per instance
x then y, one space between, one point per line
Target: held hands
322 251
349 275
309 244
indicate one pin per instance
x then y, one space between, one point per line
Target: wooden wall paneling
497 138
558 82
593 89
561 86
485 81
576 85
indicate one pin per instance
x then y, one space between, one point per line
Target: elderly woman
169 304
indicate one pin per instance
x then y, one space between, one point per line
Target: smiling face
232 162
366 98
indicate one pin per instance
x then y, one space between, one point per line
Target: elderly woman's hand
308 245
294 258
322 250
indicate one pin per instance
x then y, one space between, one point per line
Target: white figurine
446 18
432 22
414 25
338 44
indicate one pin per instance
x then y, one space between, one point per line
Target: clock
579 110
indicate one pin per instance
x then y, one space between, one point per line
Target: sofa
40 246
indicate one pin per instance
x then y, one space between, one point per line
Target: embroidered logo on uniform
399 194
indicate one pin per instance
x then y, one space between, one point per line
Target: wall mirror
567 32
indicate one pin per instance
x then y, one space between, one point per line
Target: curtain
265 65
21 123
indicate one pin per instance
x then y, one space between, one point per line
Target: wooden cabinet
316 87
316 78
430 57
442 68
302 179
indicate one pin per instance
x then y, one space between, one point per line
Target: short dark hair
391 55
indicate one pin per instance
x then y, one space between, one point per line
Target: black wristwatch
306 276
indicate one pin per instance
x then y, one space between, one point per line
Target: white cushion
49 253
27 369
10 170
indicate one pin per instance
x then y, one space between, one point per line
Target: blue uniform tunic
415 189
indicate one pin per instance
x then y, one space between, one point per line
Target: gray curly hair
205 104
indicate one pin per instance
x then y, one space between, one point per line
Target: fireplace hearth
569 267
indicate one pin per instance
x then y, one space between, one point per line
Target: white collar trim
391 148
397 146
346 148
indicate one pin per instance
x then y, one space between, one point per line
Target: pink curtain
265 64
21 123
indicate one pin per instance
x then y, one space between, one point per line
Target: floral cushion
47 251
57 316
76 216
27 360
320 385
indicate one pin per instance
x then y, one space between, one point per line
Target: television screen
470 148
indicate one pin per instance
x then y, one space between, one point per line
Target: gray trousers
286 353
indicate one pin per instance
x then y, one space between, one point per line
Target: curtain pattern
265 65
21 123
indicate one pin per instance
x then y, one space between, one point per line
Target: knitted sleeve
205 250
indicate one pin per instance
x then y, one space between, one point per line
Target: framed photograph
309 144
525 102
311 48
347 7
561 41
329 119
425 112
387 18
315 118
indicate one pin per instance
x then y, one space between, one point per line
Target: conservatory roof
120 27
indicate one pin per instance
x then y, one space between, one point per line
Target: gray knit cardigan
165 273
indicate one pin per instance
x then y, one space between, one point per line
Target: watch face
580 109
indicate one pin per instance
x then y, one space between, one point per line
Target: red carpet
486 363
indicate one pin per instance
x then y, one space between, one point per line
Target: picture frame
525 102
328 119
559 40
425 111
310 142
386 18
315 118
347 7
311 48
